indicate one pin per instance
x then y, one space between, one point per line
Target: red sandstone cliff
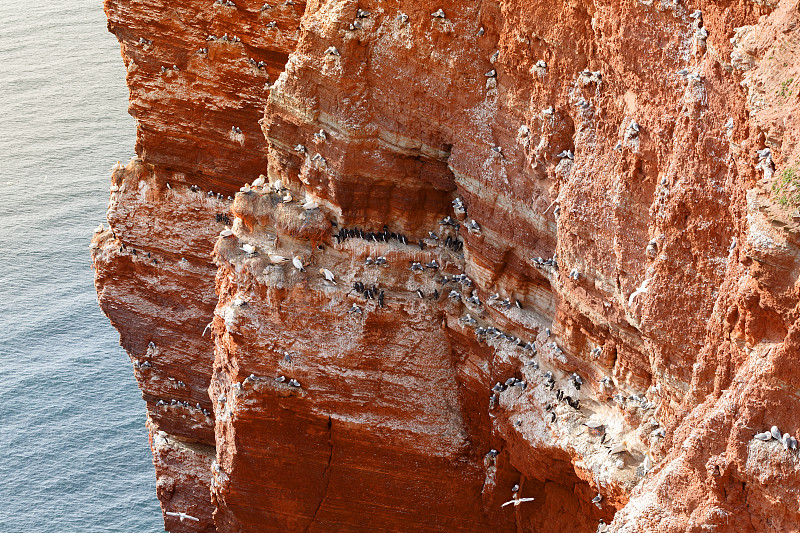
620 263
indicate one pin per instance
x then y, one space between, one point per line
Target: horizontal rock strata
381 266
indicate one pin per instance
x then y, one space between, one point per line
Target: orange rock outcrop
563 243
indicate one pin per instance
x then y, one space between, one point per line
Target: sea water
75 455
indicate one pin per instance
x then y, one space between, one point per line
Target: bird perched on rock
473 227
765 436
276 259
332 51
249 249
298 263
438 14
328 275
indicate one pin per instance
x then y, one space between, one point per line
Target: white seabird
182 516
298 264
227 232
276 259
642 289
328 275
517 501
765 436
249 249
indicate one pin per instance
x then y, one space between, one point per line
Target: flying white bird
298 264
642 289
517 501
182 516
328 275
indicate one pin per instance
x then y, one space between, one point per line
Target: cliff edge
389 265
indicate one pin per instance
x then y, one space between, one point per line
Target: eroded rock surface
384 267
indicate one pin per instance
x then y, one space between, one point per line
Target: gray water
75 455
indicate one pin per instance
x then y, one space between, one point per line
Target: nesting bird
332 51
328 275
438 14
276 259
298 264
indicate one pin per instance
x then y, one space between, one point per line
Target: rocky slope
560 252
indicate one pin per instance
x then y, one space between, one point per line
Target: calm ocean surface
75 451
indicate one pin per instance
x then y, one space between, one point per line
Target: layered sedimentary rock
497 251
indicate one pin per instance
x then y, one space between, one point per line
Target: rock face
498 251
